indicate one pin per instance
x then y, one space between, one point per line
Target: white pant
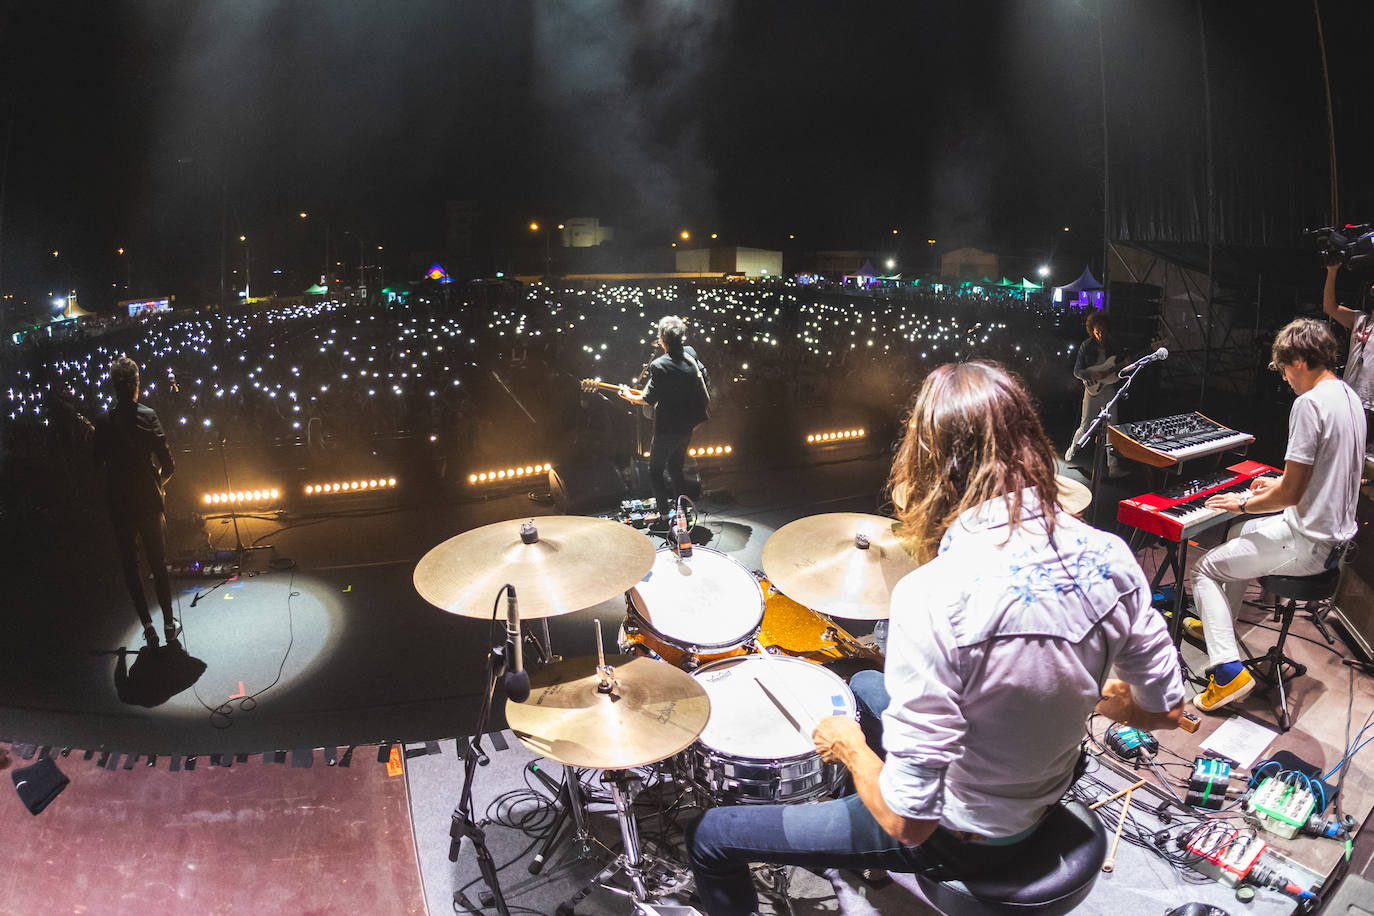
1092 406
1260 547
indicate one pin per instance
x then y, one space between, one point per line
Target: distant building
585 232
836 264
968 264
751 262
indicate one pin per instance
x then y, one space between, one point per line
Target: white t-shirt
1326 430
1357 374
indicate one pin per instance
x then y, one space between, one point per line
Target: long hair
972 436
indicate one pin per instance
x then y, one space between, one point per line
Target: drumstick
783 709
1120 822
1115 795
784 688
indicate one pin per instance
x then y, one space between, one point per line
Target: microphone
517 678
1161 353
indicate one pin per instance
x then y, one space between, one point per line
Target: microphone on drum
1161 353
517 678
684 534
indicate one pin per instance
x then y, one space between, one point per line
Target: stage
323 652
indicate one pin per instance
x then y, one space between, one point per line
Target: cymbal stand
625 786
464 826
568 792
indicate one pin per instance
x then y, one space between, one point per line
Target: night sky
133 124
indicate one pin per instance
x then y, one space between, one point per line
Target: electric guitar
591 385
1108 366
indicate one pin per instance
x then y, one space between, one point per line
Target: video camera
1351 245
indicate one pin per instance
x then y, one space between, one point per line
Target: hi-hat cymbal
652 712
1073 496
818 561
575 563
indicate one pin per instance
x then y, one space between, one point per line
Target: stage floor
331 647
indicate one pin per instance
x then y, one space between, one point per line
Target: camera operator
1360 324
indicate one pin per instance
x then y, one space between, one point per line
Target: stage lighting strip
351 486
839 435
515 473
241 497
710 451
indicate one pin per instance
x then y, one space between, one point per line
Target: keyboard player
1314 501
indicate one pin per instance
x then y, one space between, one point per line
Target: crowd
441 368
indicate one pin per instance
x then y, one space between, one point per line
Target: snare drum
750 751
692 611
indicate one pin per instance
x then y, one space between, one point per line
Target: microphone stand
1098 430
233 511
464 825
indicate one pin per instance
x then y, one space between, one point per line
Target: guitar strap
700 378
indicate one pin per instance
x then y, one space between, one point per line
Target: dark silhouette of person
679 391
130 443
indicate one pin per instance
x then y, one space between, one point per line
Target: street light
128 269
247 277
548 253
324 277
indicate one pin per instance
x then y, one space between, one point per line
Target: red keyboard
1177 512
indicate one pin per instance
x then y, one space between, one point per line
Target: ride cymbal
840 563
575 563
652 712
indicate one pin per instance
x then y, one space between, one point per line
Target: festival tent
1085 280
317 290
1028 286
1085 292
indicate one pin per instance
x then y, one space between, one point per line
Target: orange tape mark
241 692
393 763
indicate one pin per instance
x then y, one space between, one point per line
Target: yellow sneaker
1193 627
1219 695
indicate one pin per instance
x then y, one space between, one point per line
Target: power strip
1224 852
1282 808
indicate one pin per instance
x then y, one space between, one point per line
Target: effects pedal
1131 743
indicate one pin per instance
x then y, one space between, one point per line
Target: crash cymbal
1073 496
652 712
818 561
575 563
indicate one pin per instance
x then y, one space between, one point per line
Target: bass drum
756 748
794 629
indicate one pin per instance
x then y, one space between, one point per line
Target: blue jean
834 834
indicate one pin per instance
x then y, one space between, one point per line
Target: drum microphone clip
517 678
682 532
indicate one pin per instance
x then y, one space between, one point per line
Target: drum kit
721 676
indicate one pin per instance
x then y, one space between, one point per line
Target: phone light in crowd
500 475
836 436
350 486
242 497
710 451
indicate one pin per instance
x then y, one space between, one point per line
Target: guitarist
678 390
130 444
1096 368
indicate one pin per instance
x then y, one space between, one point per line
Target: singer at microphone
517 678
1161 353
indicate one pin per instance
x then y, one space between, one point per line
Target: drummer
1000 646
